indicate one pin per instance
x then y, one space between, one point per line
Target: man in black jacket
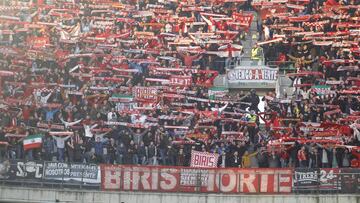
253 98
235 160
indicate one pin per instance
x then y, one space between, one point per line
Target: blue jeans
61 152
303 164
172 160
153 161
86 157
228 61
143 160
135 159
29 155
163 156
120 159
12 154
283 162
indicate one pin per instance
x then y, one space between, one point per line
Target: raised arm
67 124
206 20
46 98
66 138
93 126
223 108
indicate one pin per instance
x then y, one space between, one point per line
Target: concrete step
249 42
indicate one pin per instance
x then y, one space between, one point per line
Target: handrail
277 63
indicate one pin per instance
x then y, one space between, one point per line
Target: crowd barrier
283 66
180 179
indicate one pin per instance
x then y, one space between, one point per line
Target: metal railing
244 61
49 184
284 66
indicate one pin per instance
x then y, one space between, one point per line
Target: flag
32 141
121 98
217 92
321 89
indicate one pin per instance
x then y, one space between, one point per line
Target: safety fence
179 179
283 66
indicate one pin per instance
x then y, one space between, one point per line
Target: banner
145 93
330 179
38 42
177 179
203 159
20 169
184 81
326 133
233 135
271 10
50 126
88 173
244 18
252 77
326 179
306 179
198 136
194 177
125 106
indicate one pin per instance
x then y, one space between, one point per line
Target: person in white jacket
112 116
355 127
60 144
88 128
69 124
219 109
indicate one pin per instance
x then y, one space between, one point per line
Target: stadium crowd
131 82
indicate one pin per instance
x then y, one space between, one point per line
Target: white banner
203 159
252 77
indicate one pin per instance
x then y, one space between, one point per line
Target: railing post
158 178
62 179
278 182
239 181
219 181
338 186
257 175
357 186
82 178
42 176
357 182
319 182
295 191
101 172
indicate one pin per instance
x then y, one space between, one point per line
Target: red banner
327 133
38 42
180 179
145 93
271 10
233 135
198 136
243 18
180 80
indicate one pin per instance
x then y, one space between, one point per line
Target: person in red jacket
188 59
302 157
